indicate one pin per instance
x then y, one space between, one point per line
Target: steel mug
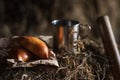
65 34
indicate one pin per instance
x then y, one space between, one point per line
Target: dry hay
90 64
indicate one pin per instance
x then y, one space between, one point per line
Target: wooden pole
110 45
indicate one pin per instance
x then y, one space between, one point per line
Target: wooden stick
110 45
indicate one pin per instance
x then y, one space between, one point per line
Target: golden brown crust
23 55
34 45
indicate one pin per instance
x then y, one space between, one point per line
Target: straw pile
89 64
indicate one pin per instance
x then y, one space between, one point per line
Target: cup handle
84 30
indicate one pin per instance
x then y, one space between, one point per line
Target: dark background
33 17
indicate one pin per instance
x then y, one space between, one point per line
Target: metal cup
65 35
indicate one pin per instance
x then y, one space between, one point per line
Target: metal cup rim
65 22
